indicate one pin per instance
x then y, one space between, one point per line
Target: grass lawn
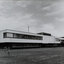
33 56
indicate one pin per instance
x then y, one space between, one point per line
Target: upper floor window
21 36
8 35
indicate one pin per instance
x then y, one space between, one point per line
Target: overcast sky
40 15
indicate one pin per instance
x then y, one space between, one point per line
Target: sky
39 15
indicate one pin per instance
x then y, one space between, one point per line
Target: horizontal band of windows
24 38
21 36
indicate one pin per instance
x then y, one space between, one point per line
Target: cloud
60 19
46 8
23 3
56 8
13 17
40 15
48 28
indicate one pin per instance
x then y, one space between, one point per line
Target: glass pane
15 36
9 35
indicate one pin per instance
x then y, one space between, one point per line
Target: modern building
49 39
13 38
62 40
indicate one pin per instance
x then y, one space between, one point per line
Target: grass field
33 56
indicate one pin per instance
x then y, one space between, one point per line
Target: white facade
45 39
50 39
16 40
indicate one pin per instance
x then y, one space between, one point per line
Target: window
8 35
22 36
57 39
15 35
47 34
4 35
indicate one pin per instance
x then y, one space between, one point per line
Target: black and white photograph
31 32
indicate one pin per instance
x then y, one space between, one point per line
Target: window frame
23 36
5 35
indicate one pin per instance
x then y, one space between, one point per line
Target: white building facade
24 38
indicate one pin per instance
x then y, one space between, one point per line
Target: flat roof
44 33
20 32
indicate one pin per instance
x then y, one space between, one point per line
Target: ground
33 56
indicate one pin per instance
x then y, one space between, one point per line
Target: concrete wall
49 39
21 40
46 39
